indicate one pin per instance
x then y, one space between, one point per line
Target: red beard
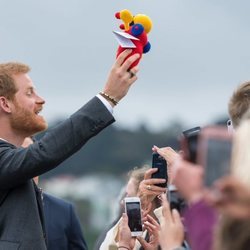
27 122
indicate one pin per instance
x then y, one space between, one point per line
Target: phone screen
133 210
217 159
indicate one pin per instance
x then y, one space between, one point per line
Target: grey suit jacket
21 216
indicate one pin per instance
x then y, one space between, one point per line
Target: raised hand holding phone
160 163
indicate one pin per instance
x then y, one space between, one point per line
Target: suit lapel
41 210
46 205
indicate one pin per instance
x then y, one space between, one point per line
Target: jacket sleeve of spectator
75 234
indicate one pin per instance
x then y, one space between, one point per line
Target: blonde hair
7 83
239 103
138 174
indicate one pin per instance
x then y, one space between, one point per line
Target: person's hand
120 78
231 197
125 238
153 229
170 155
172 230
188 178
147 190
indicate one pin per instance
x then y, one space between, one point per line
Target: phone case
160 163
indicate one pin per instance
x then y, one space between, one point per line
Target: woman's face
131 189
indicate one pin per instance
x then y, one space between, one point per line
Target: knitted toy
138 26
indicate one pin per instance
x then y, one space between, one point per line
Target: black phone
189 143
214 152
160 163
133 211
175 200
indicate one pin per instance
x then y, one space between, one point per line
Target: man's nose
40 100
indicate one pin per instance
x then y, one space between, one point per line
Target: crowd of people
186 214
214 217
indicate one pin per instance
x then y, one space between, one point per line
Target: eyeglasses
230 126
229 123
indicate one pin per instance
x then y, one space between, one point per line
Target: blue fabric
62 225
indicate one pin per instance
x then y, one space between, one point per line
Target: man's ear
5 104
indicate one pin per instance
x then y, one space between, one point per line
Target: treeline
117 150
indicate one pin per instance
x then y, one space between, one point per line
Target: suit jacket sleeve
75 234
17 165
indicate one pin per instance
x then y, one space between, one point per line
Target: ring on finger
148 187
132 74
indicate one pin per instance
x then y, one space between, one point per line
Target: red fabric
139 46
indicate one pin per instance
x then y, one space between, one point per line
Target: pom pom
137 29
122 27
146 48
127 17
145 21
117 15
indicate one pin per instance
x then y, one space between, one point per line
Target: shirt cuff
106 103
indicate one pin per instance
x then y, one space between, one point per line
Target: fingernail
174 211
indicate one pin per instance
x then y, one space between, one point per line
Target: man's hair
239 103
7 83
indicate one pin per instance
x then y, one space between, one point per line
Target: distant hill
117 150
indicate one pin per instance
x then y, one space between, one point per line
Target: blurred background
200 53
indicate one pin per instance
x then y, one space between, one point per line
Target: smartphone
160 163
175 200
133 211
189 143
214 152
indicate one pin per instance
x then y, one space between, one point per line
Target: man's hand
120 78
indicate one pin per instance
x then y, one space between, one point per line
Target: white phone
133 211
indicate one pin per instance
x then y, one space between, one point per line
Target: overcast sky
200 53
